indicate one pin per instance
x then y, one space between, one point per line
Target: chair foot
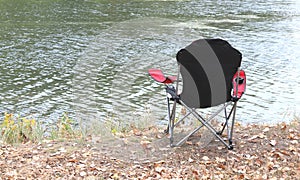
172 145
230 145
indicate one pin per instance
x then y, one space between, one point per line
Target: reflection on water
91 59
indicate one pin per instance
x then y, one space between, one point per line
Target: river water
90 58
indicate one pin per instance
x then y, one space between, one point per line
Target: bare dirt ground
260 152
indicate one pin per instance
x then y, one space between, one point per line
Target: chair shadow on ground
154 145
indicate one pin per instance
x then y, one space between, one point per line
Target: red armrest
158 76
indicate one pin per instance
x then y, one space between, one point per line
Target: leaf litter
260 152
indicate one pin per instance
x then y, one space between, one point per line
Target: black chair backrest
207 67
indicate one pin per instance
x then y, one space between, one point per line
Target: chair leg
227 118
169 115
232 124
170 128
172 124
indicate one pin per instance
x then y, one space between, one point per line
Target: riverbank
261 152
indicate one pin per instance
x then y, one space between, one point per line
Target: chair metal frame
172 95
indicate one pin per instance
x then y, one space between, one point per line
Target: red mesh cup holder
239 84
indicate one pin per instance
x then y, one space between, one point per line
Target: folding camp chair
211 76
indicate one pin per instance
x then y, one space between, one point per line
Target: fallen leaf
62 149
73 160
159 169
273 142
283 126
292 149
82 173
294 142
137 132
69 164
262 136
266 129
221 160
285 169
253 137
158 136
205 158
285 152
189 142
191 160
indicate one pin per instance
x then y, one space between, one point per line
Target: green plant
65 128
19 130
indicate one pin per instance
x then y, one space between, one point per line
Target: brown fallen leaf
189 142
73 160
137 132
283 126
